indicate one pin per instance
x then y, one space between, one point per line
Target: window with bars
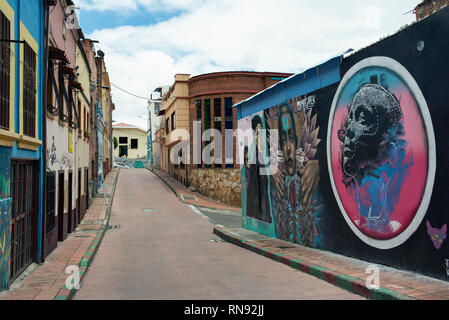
207 122
5 64
229 121
217 120
29 91
51 198
23 220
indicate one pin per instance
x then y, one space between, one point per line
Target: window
229 121
123 140
29 91
5 64
85 119
217 120
51 198
207 119
79 113
217 114
134 144
62 112
167 126
173 121
198 110
157 106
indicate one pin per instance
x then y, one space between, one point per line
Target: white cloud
134 5
284 35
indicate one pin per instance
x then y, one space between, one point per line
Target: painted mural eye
284 138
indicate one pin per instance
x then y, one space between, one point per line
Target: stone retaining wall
218 184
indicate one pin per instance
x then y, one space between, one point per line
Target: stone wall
219 184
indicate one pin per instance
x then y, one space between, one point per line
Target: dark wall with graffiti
5 216
363 165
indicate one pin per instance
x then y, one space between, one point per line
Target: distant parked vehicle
120 165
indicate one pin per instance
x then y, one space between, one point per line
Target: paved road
170 253
223 218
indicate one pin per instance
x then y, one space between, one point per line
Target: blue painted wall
31 15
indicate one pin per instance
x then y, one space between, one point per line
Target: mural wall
5 216
362 166
381 152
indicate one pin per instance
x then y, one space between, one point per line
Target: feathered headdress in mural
309 137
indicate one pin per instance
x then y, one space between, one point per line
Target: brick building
211 97
428 7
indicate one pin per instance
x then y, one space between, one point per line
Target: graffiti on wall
294 189
379 147
5 216
257 196
288 198
437 235
64 160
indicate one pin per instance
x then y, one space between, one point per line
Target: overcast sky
146 42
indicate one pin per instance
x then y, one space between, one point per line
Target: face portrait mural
294 187
288 139
257 194
378 152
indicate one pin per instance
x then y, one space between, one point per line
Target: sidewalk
184 195
341 271
47 281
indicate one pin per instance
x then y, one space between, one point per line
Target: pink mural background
413 186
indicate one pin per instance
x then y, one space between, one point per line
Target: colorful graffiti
257 188
139 165
436 235
378 151
5 216
286 198
294 189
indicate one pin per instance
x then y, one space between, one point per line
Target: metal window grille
5 63
23 222
51 200
29 91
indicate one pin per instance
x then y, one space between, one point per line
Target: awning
67 70
57 54
76 85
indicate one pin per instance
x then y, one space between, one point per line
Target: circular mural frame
401 71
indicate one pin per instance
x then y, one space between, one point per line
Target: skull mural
374 116
380 142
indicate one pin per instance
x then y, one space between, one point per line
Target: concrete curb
168 185
351 284
68 294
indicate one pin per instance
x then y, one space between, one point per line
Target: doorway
24 177
70 213
78 201
123 151
61 206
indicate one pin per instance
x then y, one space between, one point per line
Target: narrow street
162 249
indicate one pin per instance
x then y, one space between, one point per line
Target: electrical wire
132 94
